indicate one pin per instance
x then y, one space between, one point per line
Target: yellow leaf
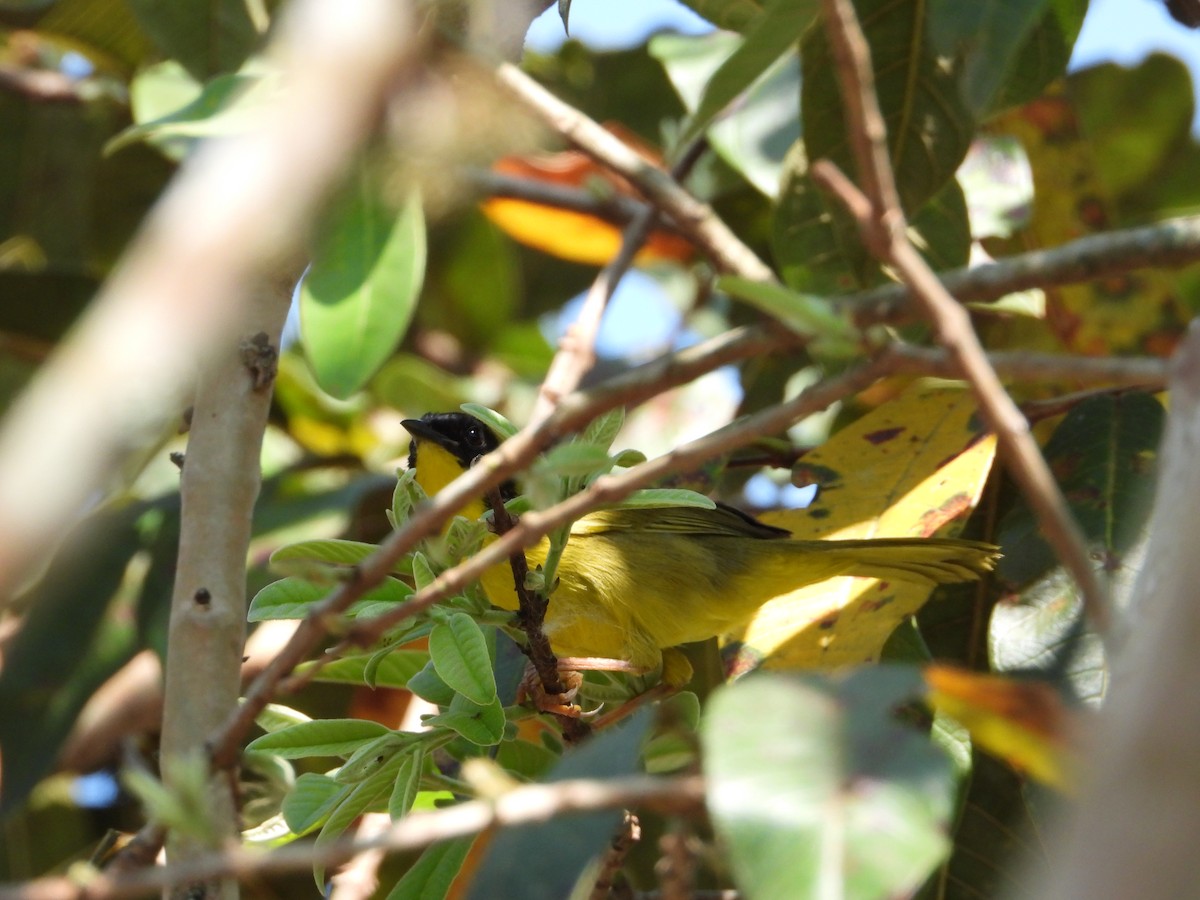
1022 722
1137 312
909 467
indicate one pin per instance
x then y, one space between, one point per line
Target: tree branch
881 223
527 804
220 483
695 219
1133 831
238 207
1171 243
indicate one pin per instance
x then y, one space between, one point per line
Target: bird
635 582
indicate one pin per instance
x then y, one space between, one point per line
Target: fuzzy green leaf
460 655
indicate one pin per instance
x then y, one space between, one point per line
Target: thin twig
614 207
532 615
881 223
628 833
577 350
523 805
1148 372
695 219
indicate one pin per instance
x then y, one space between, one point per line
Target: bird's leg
676 673
570 669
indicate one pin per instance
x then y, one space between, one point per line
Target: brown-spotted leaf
910 467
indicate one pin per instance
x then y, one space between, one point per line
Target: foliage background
90 149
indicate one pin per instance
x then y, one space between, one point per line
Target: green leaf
516 863
1104 455
428 685
567 460
276 717
833 796
1044 633
772 33
502 428
732 15
293 598
460 655
1138 120
364 762
311 800
929 130
393 671
657 498
526 759
481 724
998 826
333 551
359 295
423 573
320 737
408 783
434 872
603 429
1044 55
804 314
985 36
407 496
208 37
364 797
754 134
228 104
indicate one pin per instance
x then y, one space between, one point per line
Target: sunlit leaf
1022 722
754 134
359 295
575 236
910 467
320 737
460 655
226 105
834 796
771 34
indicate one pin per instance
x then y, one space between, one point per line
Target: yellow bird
634 582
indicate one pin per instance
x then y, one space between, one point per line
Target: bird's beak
422 431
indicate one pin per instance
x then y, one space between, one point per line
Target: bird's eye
475 438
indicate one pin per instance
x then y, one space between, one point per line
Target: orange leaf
1022 722
571 235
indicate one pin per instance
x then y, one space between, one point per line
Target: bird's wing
724 521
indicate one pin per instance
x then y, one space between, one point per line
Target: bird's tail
919 560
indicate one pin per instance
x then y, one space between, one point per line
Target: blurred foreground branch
1133 832
526 804
238 208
